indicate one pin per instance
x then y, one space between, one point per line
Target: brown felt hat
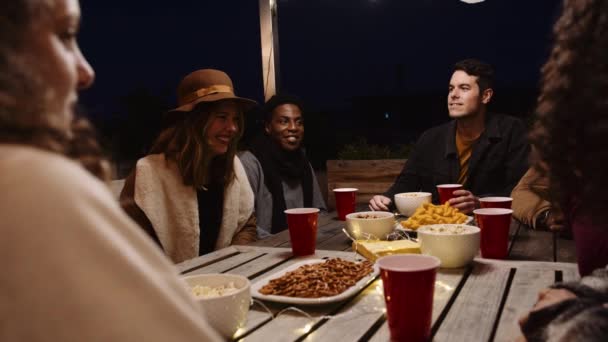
207 85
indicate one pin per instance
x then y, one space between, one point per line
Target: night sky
335 54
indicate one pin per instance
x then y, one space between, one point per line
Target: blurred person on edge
277 167
569 139
191 193
485 152
78 268
569 136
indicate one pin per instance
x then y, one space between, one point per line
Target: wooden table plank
523 293
206 259
328 225
325 218
445 285
473 313
338 242
290 325
224 265
322 235
273 241
355 319
570 274
382 335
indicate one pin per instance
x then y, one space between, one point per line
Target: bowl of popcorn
408 202
370 225
225 299
454 244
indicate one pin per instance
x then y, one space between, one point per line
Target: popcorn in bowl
454 244
224 297
201 291
448 229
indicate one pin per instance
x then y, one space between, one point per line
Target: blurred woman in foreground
78 269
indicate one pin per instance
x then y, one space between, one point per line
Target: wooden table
479 303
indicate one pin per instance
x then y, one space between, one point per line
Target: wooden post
269 35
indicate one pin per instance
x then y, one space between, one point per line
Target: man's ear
267 128
486 96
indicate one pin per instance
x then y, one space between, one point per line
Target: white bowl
365 223
454 250
408 202
226 313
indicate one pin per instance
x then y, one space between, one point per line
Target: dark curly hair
280 99
569 135
474 67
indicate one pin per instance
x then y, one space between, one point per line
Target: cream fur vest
172 207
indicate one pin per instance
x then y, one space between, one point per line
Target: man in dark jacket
487 153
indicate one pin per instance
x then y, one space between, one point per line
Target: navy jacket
498 160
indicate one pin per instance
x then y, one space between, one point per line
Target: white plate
255 288
398 225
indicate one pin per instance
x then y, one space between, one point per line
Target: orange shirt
464 147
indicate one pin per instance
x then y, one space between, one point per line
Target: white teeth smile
292 139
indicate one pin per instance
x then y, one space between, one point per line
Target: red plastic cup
446 191
494 224
302 224
496 202
346 201
409 284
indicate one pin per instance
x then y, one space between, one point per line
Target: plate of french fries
429 213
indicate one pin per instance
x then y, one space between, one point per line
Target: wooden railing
371 177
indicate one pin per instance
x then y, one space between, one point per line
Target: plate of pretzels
315 281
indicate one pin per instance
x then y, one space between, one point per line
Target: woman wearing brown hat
191 193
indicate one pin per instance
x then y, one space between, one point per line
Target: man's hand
556 221
379 203
464 201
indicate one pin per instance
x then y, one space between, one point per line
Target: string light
239 332
305 329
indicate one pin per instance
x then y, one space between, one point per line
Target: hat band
214 89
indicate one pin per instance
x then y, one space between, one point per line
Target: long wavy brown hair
570 134
24 118
185 143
